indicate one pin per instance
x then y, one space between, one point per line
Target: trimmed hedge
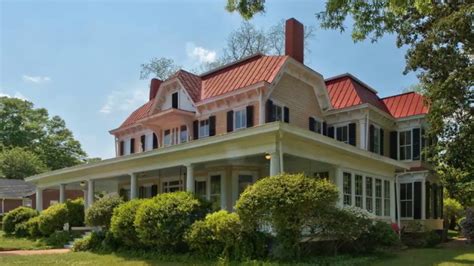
100 213
380 234
75 210
122 225
33 227
217 235
163 221
52 219
15 217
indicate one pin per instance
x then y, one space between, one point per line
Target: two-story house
216 133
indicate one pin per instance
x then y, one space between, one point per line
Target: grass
14 243
420 257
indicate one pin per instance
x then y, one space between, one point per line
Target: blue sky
81 59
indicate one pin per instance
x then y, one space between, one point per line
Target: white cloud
36 79
124 101
200 54
16 95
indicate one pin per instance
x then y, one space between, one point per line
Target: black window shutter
393 144
154 190
427 200
230 121
417 201
174 100
195 129
382 137
269 112
155 141
331 132
311 124
250 116
352 134
434 190
325 128
423 143
132 145
286 112
142 141
371 138
416 143
212 125
121 147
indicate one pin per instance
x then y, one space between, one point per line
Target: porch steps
71 243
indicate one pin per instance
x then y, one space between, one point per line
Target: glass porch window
347 188
378 197
172 186
358 191
369 194
386 198
200 189
215 193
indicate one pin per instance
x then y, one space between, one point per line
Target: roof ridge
400 94
354 78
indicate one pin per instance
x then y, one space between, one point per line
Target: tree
244 41
439 38
23 126
18 163
161 68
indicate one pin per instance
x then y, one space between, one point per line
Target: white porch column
275 163
339 184
190 178
90 192
39 199
62 193
392 201
397 184
363 133
86 205
224 191
133 186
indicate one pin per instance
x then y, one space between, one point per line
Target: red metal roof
138 114
406 104
345 91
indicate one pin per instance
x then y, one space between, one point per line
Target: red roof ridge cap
349 75
212 71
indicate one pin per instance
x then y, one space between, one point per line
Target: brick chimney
294 39
154 86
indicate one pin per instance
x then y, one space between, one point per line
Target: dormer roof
406 104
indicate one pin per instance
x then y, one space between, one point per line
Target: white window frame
347 194
376 140
244 121
165 184
170 137
206 133
318 123
386 187
336 135
281 107
405 146
181 131
235 182
361 195
378 198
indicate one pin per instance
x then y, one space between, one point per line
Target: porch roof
252 141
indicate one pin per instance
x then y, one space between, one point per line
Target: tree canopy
43 142
439 39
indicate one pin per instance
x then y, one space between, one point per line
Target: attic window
174 100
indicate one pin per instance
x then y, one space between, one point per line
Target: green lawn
415 257
10 243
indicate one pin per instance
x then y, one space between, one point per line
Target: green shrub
217 235
421 239
90 242
75 209
33 227
467 225
379 234
163 221
100 213
59 239
52 219
21 229
16 217
122 226
287 203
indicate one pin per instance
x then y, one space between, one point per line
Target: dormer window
174 100
342 133
240 119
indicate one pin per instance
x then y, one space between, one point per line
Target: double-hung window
204 128
386 198
342 134
167 138
347 188
358 191
369 194
405 145
278 112
376 142
183 134
240 119
406 200
318 126
378 197
172 186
